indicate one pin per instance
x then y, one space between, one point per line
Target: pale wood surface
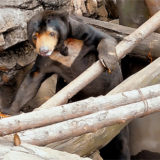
149 44
77 109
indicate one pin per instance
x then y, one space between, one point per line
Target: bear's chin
46 54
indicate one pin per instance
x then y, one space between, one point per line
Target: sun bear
67 46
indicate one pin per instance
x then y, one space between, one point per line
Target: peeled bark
73 110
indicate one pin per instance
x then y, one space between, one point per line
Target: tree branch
73 110
89 123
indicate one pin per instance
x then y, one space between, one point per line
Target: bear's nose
43 50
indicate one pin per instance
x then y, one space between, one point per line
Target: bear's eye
52 34
34 37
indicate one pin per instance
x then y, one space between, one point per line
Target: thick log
73 110
96 156
89 123
28 151
149 44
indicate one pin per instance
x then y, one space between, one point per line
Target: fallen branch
129 42
88 76
89 123
149 44
73 110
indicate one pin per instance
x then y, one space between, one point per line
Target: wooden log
149 44
84 145
89 123
73 110
28 151
153 7
129 42
96 156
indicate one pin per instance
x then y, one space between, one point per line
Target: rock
14 59
79 7
92 6
56 4
13 22
102 12
20 4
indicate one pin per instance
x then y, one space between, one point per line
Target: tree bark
73 110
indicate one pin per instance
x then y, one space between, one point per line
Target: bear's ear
64 13
64 16
33 25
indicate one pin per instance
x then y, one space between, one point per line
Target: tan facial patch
35 74
74 47
46 40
